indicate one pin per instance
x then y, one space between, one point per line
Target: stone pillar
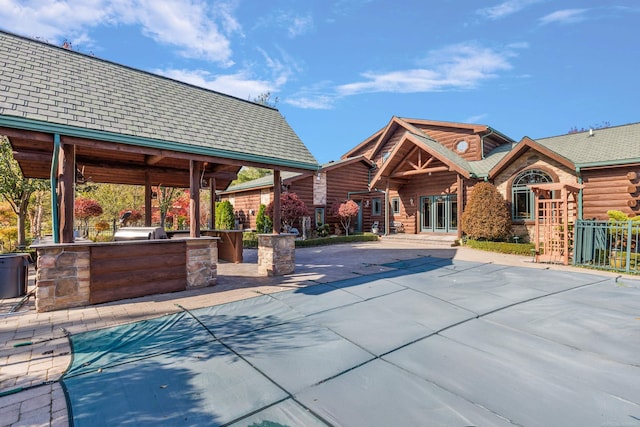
202 262
276 254
62 277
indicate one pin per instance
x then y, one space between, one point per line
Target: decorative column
276 254
202 262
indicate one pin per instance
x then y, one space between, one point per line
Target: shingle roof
43 83
264 181
607 146
481 168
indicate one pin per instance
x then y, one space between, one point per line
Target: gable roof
617 145
428 145
258 183
54 90
287 177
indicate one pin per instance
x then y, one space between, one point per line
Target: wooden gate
556 205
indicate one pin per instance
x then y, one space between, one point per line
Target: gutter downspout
54 189
580 207
482 141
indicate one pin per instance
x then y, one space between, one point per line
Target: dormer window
385 156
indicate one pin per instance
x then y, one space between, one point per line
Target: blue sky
342 68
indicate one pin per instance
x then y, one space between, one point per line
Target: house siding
449 138
611 189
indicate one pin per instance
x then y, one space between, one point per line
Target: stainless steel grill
139 233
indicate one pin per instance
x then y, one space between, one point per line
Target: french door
439 214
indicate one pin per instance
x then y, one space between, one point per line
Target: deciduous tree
84 209
15 188
346 211
292 209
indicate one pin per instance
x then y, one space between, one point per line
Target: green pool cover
432 342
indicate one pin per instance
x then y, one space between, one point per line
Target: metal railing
610 245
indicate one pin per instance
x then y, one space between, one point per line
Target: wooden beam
66 180
421 171
194 199
147 200
134 149
277 188
152 160
26 135
212 203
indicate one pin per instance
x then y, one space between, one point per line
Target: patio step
427 238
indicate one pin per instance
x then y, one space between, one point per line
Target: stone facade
276 254
202 262
530 160
62 277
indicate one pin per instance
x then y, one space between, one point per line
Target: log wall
611 189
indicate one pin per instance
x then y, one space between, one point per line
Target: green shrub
263 222
486 216
249 240
502 247
366 237
323 230
225 218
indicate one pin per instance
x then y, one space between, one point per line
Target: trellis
556 205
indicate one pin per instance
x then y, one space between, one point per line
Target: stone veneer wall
63 276
202 262
276 254
530 161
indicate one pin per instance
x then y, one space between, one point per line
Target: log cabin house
421 173
333 183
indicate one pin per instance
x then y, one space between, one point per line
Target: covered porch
112 124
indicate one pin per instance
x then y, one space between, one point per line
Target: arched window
522 197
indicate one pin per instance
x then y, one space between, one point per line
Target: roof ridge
609 128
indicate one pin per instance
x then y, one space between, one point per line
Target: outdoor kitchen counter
85 272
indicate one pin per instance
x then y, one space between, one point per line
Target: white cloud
566 16
191 26
241 84
320 102
294 24
475 119
506 8
461 66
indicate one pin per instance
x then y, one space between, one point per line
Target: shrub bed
502 247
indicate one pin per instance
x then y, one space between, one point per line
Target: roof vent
590 131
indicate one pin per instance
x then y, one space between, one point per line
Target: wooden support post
459 210
66 181
387 225
277 189
212 204
147 199
194 196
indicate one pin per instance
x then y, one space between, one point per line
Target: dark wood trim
277 190
194 198
66 181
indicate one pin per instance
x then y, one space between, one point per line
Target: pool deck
35 350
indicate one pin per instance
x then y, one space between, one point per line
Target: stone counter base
80 274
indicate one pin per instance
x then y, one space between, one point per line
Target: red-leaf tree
132 216
291 210
85 209
346 212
